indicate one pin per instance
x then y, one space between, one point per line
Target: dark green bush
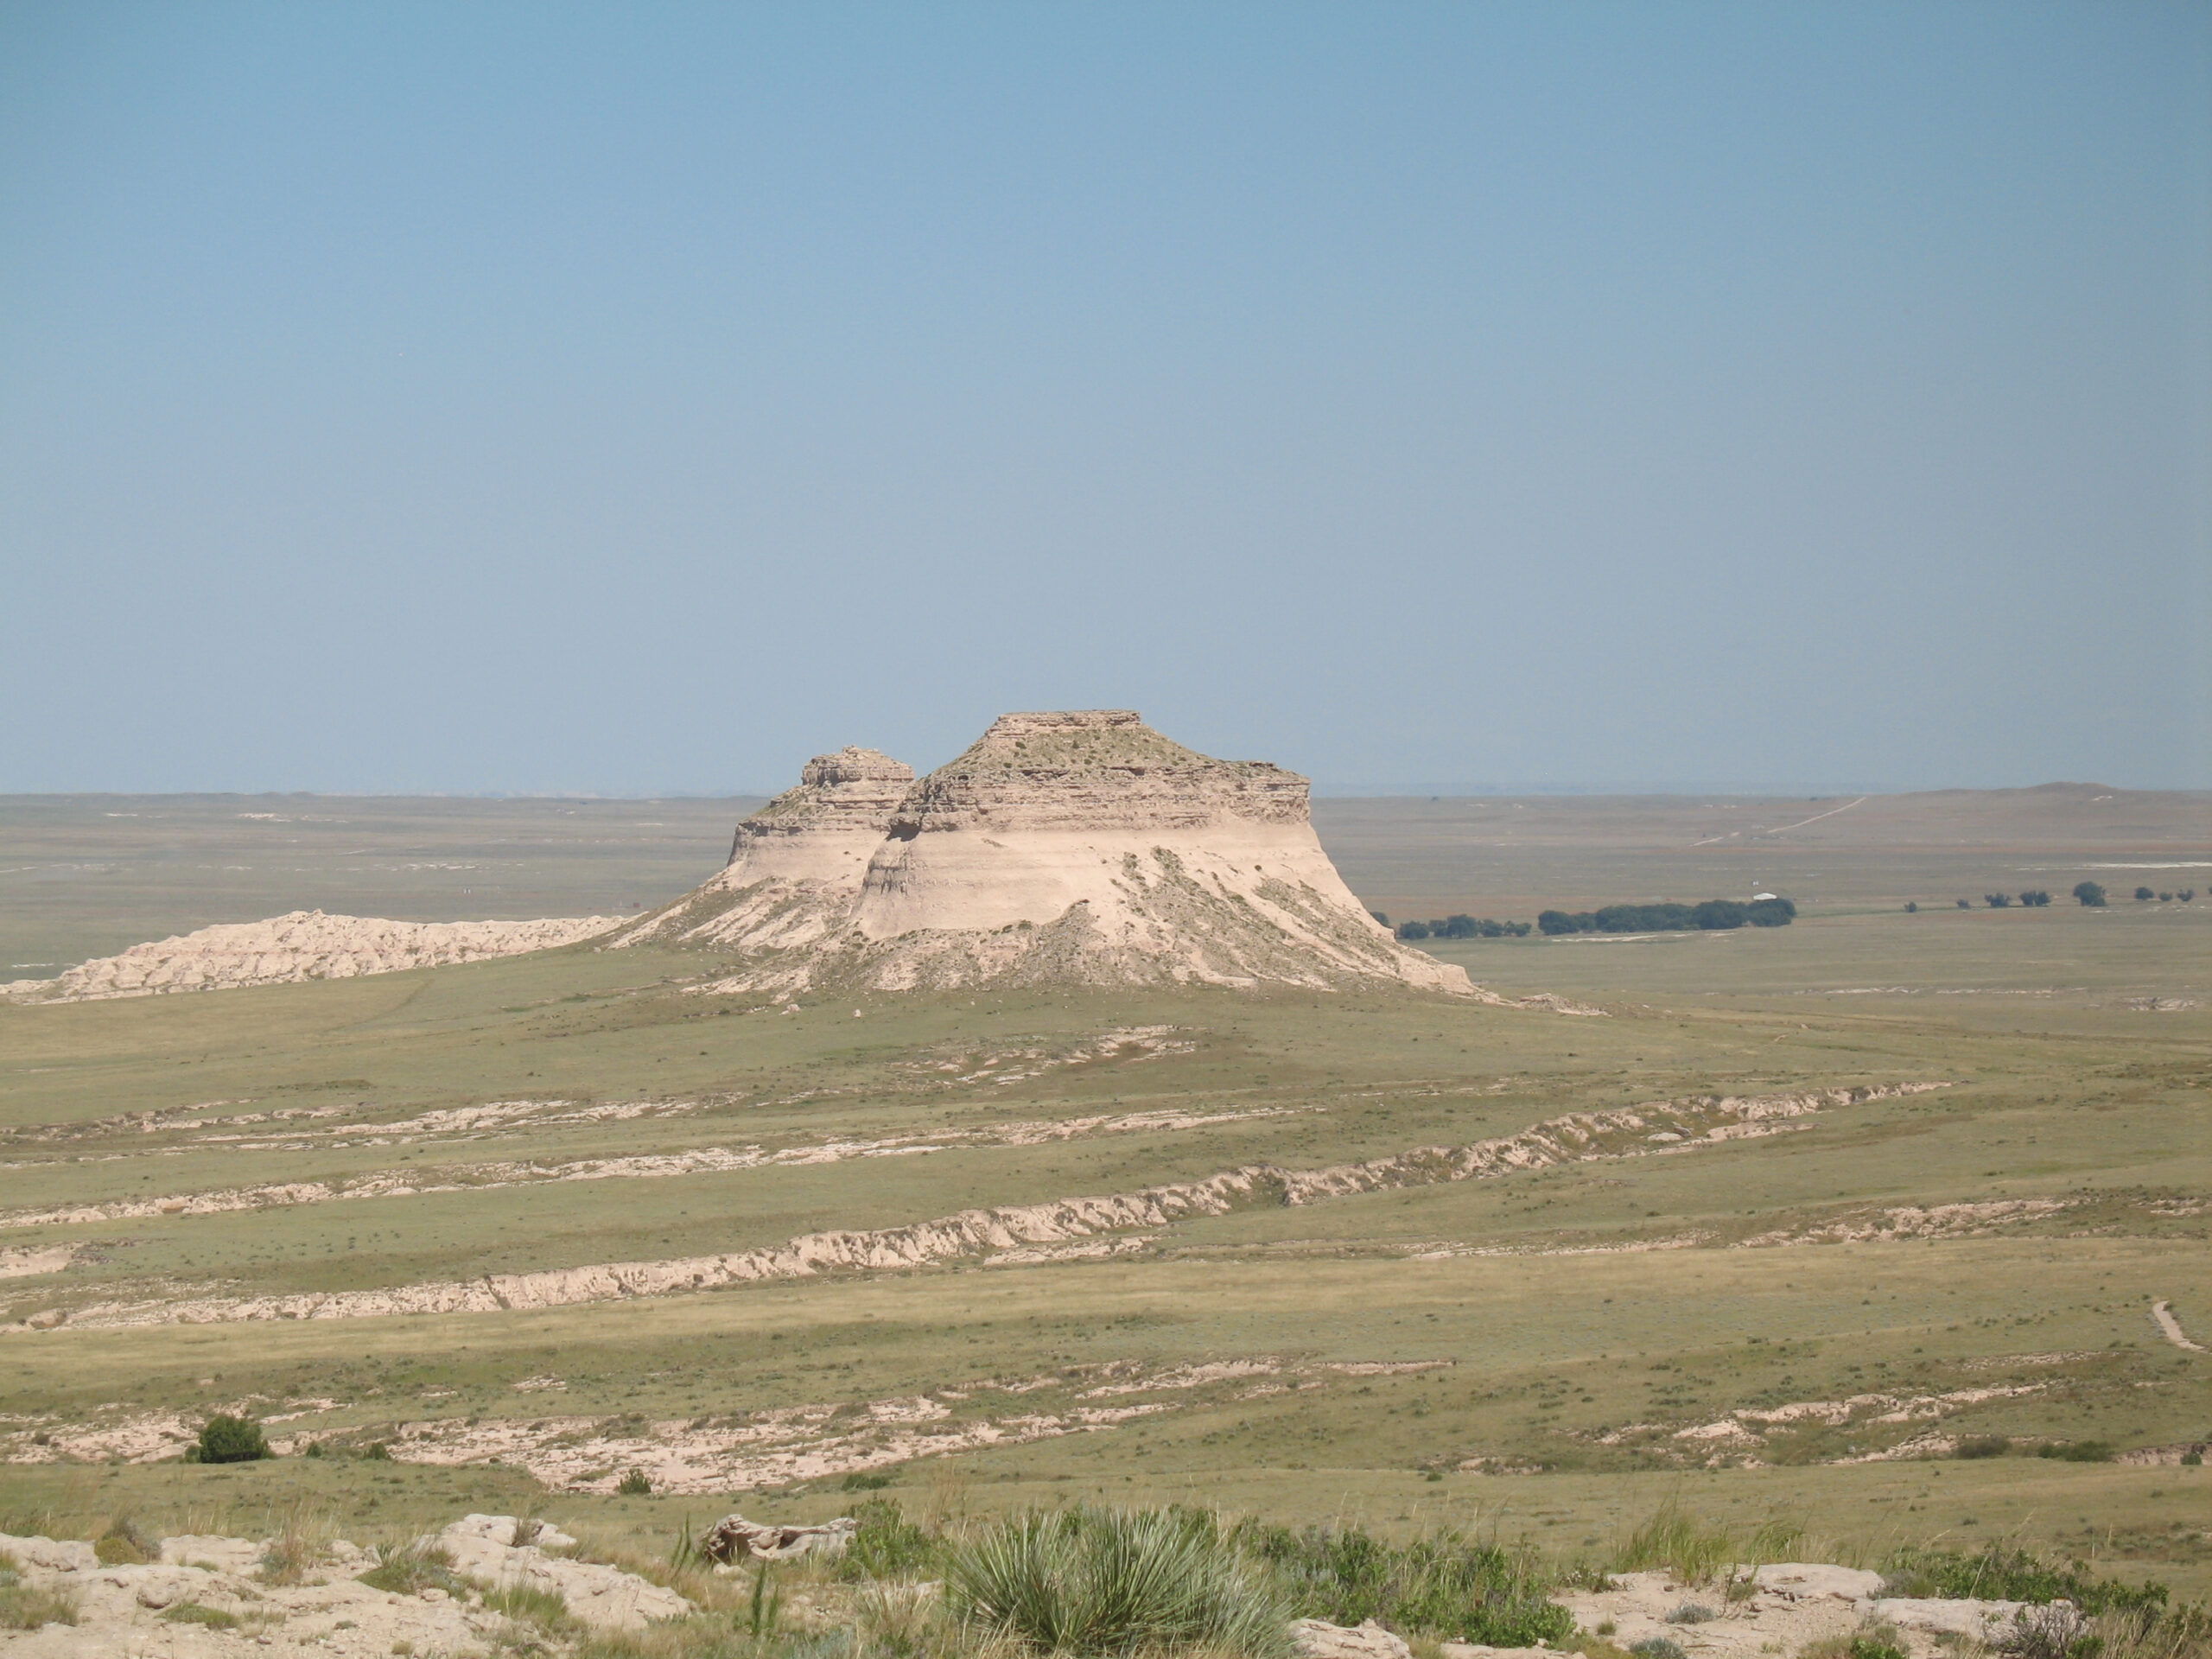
886 1545
229 1439
1445 1585
2089 893
2078 1452
634 1485
1984 1445
862 1480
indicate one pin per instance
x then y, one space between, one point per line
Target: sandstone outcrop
300 946
1075 847
795 867
734 1539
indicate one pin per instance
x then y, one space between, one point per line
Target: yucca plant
1112 1582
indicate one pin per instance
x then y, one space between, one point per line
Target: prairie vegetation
1823 1322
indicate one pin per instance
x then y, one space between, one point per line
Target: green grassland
1570 1325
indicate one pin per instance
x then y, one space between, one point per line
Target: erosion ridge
300 945
1012 1232
1076 847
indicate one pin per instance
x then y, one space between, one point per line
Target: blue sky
628 399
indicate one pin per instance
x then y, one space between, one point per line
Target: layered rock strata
1079 848
795 867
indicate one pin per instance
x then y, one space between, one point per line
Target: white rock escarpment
795 867
1075 848
300 946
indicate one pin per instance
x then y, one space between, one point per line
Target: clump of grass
634 1485
31 1607
1446 1584
410 1568
195 1612
530 1604
1098 1581
1696 1551
1691 1612
1658 1647
126 1543
1677 1540
862 1481
886 1545
896 1620
2008 1572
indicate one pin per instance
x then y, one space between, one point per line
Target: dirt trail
2170 1327
1655 1128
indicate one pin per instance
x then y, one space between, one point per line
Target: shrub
2000 1573
1412 930
1092 1581
2166 898
1880 1642
30 1606
1380 917
1964 904
2089 893
2142 895
2187 895
1444 1585
1911 907
1997 900
1691 1612
1658 1647
2035 898
634 1485
194 1612
2078 1452
862 1480
410 1568
125 1543
1984 1445
886 1544
229 1439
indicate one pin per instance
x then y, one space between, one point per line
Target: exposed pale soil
458 1178
129 1609
300 945
1654 1127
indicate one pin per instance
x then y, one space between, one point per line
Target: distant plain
1567 1340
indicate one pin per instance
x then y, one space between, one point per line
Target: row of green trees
2085 892
1456 927
1713 915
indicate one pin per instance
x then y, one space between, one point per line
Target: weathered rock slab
1316 1638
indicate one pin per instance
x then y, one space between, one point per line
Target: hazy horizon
568 398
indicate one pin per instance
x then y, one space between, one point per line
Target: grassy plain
1550 1352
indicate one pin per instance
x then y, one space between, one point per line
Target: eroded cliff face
794 867
1075 847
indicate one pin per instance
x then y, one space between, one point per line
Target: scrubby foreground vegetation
1084 1581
